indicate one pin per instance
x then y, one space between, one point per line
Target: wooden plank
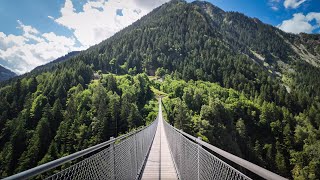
151 170
159 163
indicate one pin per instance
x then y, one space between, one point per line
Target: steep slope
6 74
59 60
174 37
52 110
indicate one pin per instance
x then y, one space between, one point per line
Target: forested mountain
42 68
242 85
59 60
6 74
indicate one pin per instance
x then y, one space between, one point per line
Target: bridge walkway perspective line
159 164
156 151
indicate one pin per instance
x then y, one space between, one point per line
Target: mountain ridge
302 38
6 74
56 61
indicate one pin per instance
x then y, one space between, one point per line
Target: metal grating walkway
159 164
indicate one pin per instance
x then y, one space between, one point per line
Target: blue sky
36 32
268 11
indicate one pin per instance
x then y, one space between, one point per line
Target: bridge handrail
58 162
262 172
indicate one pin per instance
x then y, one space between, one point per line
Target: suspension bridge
157 151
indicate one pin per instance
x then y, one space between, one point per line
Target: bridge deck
159 163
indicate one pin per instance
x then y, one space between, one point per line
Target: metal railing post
113 155
181 154
136 149
142 150
199 145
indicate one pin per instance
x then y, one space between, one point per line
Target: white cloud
293 3
274 4
27 29
10 40
23 53
29 32
314 16
149 4
301 23
61 40
99 20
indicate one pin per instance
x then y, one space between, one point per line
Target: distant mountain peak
6 74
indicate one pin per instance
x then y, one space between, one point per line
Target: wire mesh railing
119 158
193 160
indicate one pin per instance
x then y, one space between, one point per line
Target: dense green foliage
259 131
50 120
234 81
